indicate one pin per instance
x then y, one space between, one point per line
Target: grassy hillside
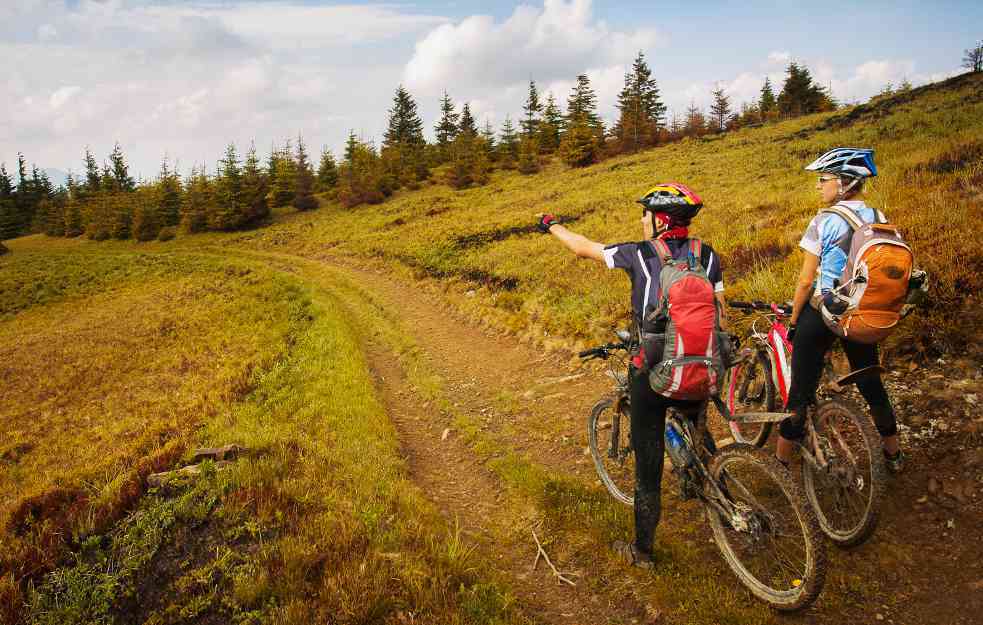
929 148
117 363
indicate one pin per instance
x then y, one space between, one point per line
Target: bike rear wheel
609 437
847 494
750 389
772 542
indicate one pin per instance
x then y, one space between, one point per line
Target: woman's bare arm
804 287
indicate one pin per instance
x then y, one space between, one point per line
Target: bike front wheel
609 436
750 389
847 491
771 538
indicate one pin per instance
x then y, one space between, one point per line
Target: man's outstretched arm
576 243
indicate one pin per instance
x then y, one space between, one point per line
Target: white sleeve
810 240
609 253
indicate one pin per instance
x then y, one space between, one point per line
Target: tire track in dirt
472 498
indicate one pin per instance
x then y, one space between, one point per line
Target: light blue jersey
828 237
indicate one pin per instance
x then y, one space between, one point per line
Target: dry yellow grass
758 202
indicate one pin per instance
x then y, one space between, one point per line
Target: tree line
105 202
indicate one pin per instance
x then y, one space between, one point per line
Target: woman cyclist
666 213
842 172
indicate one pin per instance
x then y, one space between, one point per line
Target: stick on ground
542 552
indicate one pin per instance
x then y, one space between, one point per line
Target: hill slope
929 148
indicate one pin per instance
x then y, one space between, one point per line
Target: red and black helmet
674 199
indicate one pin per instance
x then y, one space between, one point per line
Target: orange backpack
874 283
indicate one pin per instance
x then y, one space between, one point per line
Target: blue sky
187 77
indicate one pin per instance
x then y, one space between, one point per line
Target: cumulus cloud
779 58
492 61
188 78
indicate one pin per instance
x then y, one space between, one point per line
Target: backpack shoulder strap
696 249
661 250
879 217
848 216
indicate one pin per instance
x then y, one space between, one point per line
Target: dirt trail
538 404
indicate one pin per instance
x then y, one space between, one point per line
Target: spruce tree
121 172
8 209
446 128
720 109
508 145
642 113
528 155
360 177
198 197
582 106
327 172
255 206
73 216
488 137
695 124
304 195
767 102
146 223
403 141
532 108
550 127
282 186
91 172
580 145
800 96
168 196
225 212
467 125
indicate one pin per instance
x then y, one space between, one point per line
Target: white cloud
187 78
779 58
550 44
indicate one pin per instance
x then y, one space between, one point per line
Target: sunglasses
824 179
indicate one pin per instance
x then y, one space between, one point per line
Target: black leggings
811 342
648 425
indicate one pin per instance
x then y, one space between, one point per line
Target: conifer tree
550 127
580 145
467 124
360 177
282 187
766 102
91 172
695 124
488 137
720 109
532 108
642 113
582 106
446 128
800 96
508 145
528 155
304 197
198 197
403 142
225 212
327 172
73 216
146 223
255 206
168 196
973 58
8 209
121 173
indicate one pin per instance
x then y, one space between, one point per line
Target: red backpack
684 354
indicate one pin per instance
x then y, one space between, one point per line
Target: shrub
166 234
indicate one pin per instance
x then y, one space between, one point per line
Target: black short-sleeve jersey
643 267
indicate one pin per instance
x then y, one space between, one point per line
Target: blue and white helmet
857 163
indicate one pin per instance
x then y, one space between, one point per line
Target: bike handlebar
602 351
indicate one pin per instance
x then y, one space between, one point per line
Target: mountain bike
762 523
843 468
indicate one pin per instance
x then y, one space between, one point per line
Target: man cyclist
842 172
667 210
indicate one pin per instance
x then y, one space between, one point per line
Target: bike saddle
855 376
